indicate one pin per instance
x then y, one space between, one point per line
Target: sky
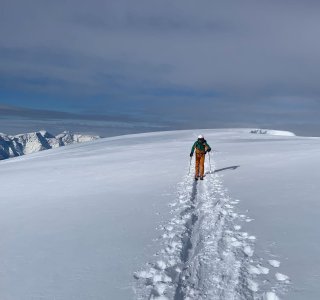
115 67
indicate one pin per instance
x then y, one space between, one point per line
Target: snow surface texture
204 254
27 143
119 218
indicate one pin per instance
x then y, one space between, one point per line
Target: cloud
7 111
14 120
260 58
230 46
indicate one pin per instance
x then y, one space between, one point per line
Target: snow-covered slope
120 218
27 143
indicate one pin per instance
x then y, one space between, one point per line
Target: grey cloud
7 111
260 59
14 120
234 47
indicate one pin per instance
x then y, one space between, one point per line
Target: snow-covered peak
67 137
27 143
272 132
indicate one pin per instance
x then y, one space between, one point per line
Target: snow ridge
204 255
11 146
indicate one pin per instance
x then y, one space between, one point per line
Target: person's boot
201 178
196 178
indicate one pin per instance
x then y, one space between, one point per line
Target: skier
201 147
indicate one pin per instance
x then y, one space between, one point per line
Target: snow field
77 222
204 254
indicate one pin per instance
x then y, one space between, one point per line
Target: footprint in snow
258 270
270 296
263 270
158 291
161 265
234 202
169 228
236 243
282 277
245 235
252 285
248 251
274 263
237 227
233 215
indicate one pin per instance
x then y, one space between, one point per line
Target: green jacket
201 146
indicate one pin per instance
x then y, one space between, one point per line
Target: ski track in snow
205 255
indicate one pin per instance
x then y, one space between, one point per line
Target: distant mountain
26 143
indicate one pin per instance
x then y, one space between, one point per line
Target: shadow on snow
227 168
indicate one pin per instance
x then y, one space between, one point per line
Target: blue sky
160 64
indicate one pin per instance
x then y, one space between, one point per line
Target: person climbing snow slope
201 147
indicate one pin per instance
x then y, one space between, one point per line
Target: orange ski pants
200 164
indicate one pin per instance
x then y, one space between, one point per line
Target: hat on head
200 136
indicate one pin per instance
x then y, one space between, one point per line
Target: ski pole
189 165
209 162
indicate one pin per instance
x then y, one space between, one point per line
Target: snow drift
27 143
